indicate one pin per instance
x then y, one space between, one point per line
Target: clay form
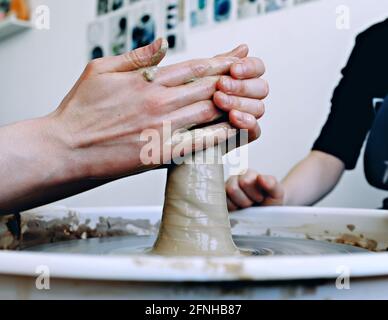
195 215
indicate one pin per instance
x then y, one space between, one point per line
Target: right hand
252 189
100 121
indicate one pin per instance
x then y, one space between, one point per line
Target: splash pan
359 239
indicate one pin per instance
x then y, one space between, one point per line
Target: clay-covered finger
237 195
182 73
228 103
248 183
184 142
251 88
245 121
240 52
147 56
247 68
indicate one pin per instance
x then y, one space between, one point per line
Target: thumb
147 56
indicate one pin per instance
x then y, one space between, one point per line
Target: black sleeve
352 113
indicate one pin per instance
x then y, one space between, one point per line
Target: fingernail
226 83
225 98
239 116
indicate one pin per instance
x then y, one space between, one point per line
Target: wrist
54 151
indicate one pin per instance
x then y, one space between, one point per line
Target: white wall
303 51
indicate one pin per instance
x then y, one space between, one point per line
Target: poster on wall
223 10
129 24
198 13
97 40
118 33
174 24
274 5
250 8
302 1
144 24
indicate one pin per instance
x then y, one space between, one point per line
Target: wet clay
195 216
149 73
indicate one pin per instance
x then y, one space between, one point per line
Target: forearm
33 160
312 179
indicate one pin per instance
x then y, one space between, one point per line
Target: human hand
102 118
240 93
251 189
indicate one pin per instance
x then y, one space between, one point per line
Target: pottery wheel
141 244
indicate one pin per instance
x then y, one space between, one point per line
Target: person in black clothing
358 107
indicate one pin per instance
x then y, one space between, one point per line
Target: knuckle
93 65
136 57
236 103
232 190
207 113
241 87
209 88
154 104
198 68
251 173
244 182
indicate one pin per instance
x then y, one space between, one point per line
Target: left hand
241 93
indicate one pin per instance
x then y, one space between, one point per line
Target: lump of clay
195 215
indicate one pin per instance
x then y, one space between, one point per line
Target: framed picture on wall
250 8
118 34
143 24
174 24
198 13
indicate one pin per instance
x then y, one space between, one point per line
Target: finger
199 90
228 103
248 183
247 68
182 73
237 195
245 121
251 88
231 205
240 52
184 143
193 115
147 56
271 186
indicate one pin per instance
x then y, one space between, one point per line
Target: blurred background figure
356 109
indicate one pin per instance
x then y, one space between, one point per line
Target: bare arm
312 179
94 136
307 183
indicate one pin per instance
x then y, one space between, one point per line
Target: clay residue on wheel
356 241
36 230
9 237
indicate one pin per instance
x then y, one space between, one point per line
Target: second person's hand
252 189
